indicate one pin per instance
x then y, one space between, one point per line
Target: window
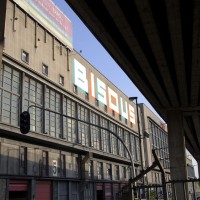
23 159
75 89
126 121
61 80
105 135
33 95
25 56
99 170
90 169
70 125
124 172
45 163
45 69
86 96
129 173
83 128
137 146
114 142
52 120
159 140
95 131
121 146
96 102
113 113
9 95
120 118
127 142
105 108
109 171
63 165
116 172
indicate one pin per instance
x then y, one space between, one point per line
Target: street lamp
138 122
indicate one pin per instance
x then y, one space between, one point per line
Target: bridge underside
157 44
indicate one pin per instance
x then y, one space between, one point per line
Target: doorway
99 194
18 195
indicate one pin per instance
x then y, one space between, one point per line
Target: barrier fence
191 190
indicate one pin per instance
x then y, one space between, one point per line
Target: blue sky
96 55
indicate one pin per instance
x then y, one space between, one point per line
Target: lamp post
139 133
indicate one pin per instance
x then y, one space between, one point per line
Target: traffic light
25 122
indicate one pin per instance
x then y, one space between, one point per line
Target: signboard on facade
54 167
50 17
100 91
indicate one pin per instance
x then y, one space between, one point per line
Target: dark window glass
105 135
99 170
83 128
45 163
63 165
9 95
109 171
25 56
95 131
23 160
69 125
45 69
61 80
52 120
75 89
33 95
96 102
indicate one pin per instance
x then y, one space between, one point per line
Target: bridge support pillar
177 152
198 165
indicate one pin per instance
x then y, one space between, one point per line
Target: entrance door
43 190
99 194
99 189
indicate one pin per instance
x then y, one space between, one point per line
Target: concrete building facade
63 156
154 136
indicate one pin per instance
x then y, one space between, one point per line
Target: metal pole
140 140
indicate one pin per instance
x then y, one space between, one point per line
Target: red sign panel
49 16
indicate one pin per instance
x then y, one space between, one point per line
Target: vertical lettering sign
100 91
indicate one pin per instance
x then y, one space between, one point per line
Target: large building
154 136
71 151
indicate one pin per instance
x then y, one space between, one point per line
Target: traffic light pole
129 153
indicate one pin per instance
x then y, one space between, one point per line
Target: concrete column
198 162
177 152
32 187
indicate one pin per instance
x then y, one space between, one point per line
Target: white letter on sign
80 78
101 91
132 114
124 109
113 100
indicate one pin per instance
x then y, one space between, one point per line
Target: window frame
44 68
61 80
25 56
